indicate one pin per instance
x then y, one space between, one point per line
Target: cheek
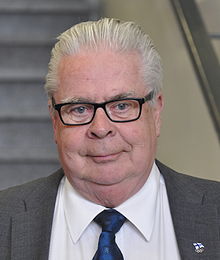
143 141
145 130
143 137
140 137
67 138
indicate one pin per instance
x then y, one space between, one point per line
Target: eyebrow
86 100
75 100
123 95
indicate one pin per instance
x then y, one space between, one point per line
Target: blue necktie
110 221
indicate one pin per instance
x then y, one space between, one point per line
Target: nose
101 126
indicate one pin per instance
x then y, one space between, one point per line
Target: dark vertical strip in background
204 59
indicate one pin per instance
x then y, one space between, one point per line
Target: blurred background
186 34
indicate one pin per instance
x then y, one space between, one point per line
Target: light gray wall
188 140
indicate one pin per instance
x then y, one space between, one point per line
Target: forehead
100 75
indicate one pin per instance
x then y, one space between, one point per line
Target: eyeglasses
119 111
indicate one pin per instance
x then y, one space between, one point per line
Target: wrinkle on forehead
102 63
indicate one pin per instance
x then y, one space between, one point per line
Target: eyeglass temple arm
149 96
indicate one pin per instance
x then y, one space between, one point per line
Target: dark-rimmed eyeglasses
119 110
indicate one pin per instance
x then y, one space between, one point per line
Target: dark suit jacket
26 214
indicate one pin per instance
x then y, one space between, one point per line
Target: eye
122 106
79 109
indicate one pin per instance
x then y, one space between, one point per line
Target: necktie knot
110 220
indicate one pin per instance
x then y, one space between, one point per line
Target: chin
105 176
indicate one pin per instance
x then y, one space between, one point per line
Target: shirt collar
78 211
140 209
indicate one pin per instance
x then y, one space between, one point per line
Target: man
105 101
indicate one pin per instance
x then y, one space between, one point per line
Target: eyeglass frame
102 105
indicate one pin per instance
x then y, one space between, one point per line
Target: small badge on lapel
199 247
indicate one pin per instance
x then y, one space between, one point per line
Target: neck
109 196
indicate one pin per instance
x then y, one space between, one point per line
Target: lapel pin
199 247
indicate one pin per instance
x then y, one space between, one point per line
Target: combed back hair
111 34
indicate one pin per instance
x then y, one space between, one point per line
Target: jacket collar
195 218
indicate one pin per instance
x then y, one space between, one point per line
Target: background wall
188 140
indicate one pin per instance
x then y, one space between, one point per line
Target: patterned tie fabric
110 221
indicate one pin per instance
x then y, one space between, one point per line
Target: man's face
106 162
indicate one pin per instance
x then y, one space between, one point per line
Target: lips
103 158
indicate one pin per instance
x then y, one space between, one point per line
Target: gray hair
112 34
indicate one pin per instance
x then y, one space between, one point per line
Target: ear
158 108
53 117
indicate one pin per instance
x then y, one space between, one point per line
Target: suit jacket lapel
195 220
31 229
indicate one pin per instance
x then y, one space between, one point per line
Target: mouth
104 158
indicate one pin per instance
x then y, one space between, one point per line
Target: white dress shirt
148 232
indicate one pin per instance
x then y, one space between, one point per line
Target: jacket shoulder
190 184
14 198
